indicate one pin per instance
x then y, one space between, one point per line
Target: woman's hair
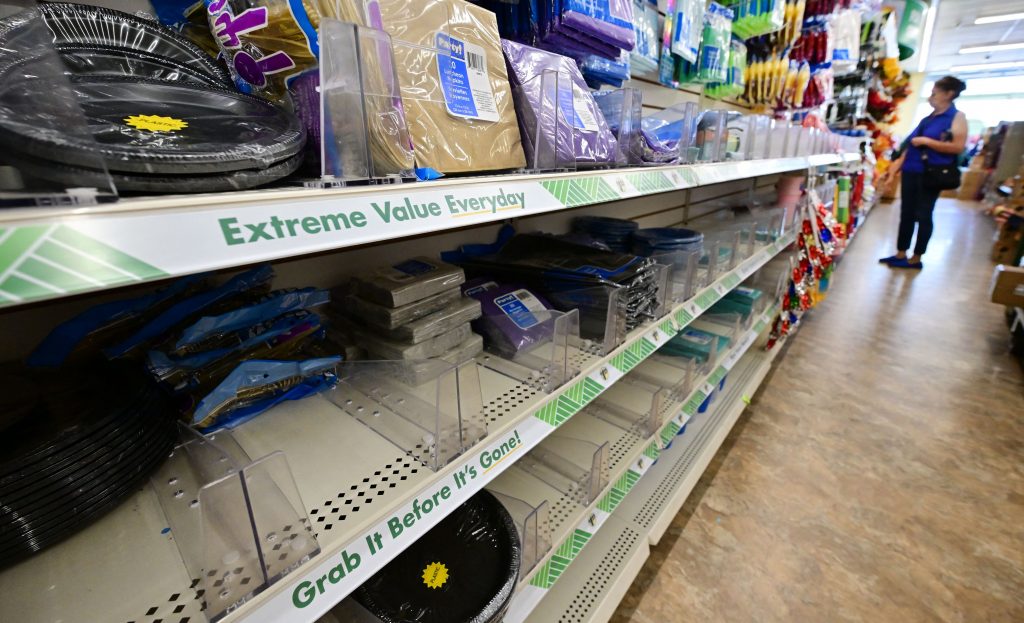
951 83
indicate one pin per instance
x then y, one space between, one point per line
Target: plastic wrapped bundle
645 24
610 21
668 134
514 319
455 86
572 276
591 139
657 240
615 232
597 70
463 570
713 63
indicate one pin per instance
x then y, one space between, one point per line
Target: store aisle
879 474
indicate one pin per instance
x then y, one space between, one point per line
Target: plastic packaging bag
713 64
644 57
514 319
455 86
390 318
256 386
592 141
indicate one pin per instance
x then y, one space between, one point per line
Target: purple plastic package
514 319
578 132
607 21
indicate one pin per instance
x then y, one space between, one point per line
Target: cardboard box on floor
1007 247
1008 286
971 183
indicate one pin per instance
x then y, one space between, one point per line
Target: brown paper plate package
455 129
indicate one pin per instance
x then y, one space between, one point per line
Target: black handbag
939 176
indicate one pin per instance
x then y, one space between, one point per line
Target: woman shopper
938 140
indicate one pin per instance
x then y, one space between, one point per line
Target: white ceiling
954 29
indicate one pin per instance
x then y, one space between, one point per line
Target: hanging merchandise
570 118
757 17
846 28
736 83
687 30
455 87
463 570
644 57
713 60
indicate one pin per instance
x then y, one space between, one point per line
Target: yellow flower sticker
435 575
156 123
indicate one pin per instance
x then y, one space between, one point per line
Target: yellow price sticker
435 575
156 123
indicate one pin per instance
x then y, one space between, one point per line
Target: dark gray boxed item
458 313
375 315
409 281
423 371
382 348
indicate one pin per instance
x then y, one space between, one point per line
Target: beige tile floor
879 473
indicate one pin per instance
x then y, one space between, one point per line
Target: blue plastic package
273 305
191 306
65 338
256 386
167 367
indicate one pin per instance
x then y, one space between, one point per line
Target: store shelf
592 587
658 497
126 566
52 252
595 584
588 523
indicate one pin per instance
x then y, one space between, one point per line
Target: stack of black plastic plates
160 114
463 571
72 449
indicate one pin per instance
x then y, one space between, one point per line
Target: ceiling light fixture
926 42
995 19
999 47
988 66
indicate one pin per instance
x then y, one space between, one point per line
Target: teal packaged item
713 64
745 295
693 344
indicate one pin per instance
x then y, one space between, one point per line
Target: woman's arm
954 146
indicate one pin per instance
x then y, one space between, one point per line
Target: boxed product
693 344
971 183
389 318
458 313
1008 286
455 87
378 347
408 282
